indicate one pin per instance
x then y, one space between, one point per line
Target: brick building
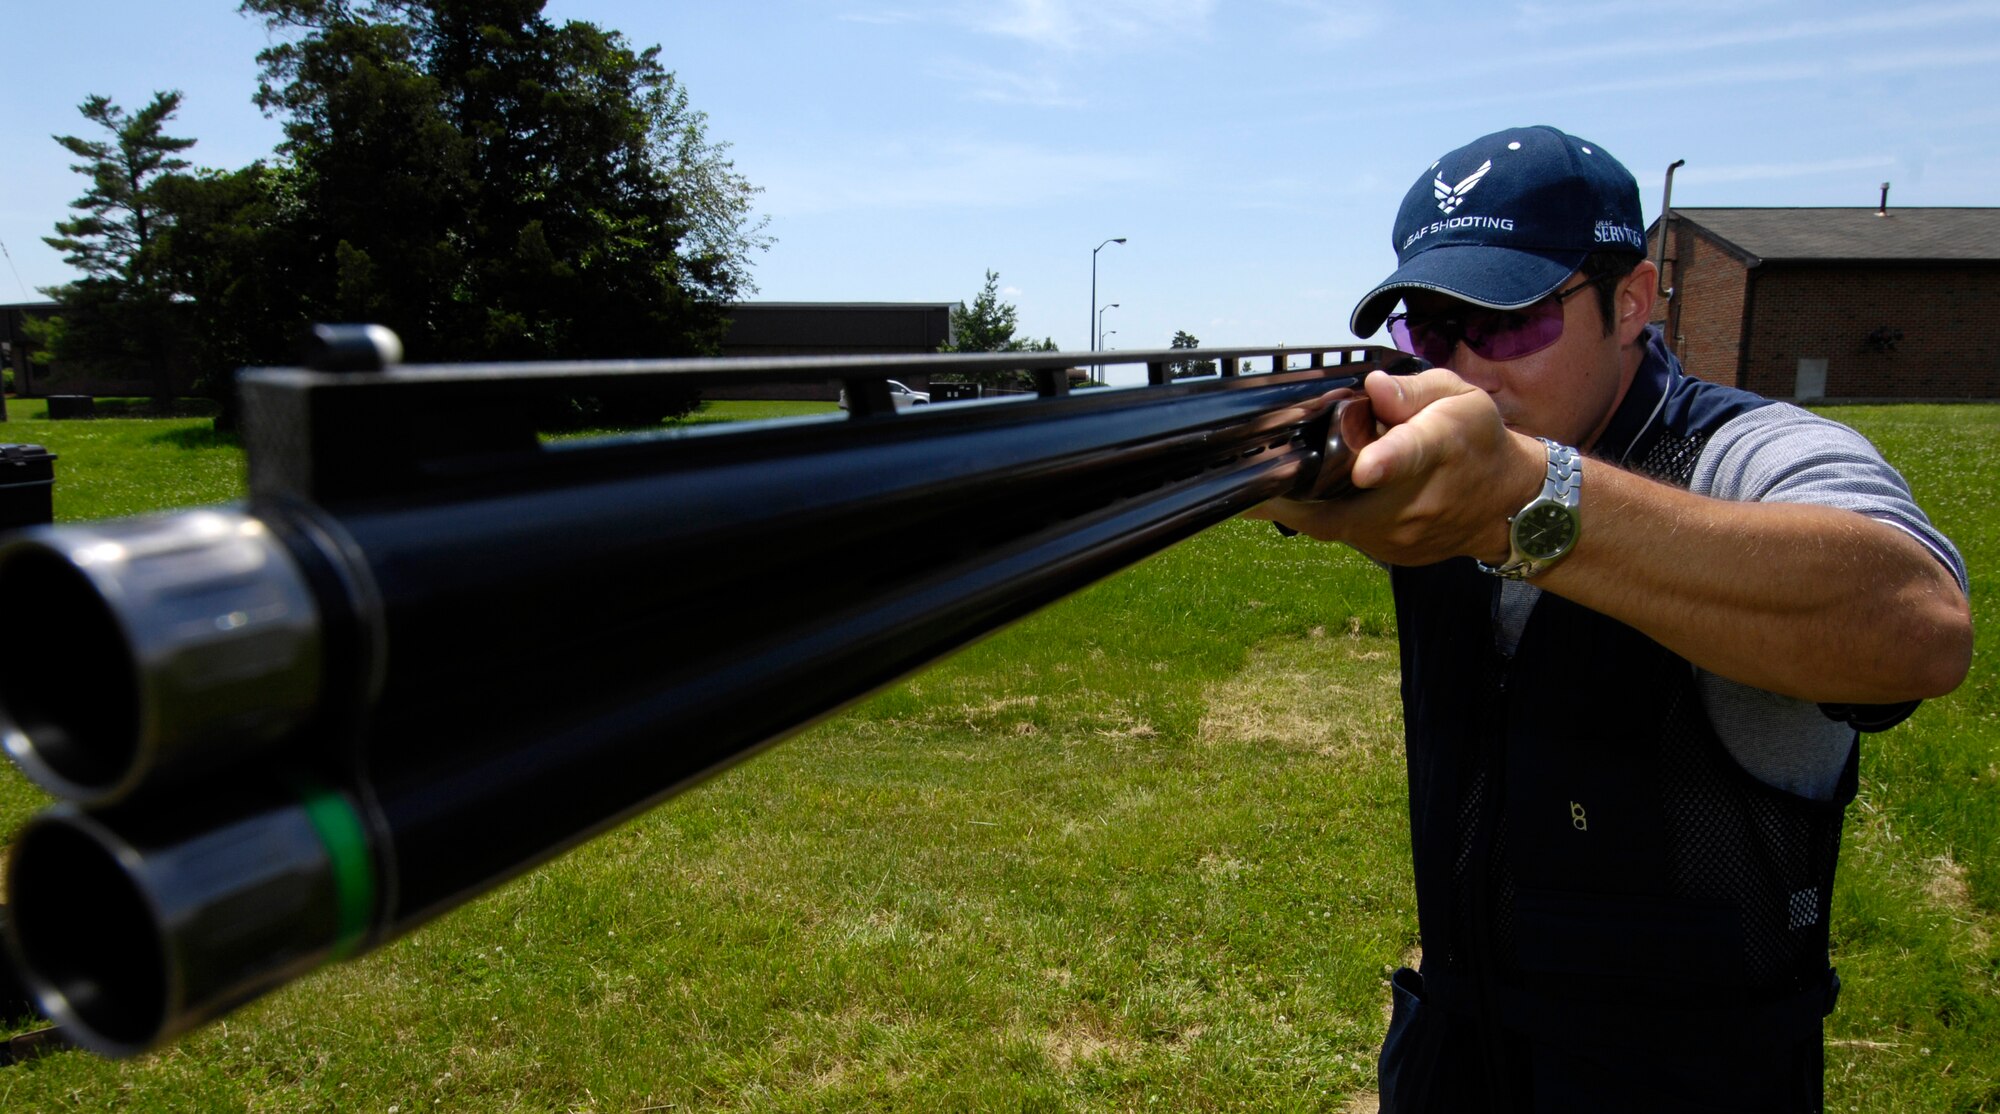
1836 303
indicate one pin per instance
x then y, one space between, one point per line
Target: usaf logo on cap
1451 197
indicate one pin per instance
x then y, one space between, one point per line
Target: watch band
1560 496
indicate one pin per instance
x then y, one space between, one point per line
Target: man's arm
1812 602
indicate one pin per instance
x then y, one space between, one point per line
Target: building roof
1857 235
770 328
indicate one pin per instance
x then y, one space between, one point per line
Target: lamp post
1095 289
1093 325
1099 342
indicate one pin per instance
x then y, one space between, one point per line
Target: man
1635 658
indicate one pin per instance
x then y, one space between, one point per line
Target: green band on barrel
346 840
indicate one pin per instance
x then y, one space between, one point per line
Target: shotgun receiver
433 650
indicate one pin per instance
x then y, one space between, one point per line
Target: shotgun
434 649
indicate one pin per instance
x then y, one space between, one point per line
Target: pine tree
120 221
118 320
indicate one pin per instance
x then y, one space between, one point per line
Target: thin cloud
1039 88
879 18
1554 16
959 176
1929 61
1645 82
1939 59
1336 21
1070 25
1772 171
1681 45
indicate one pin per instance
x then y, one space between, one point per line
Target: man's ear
1634 301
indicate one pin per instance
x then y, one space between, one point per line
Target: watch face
1545 530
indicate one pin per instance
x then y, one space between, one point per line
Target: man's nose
1474 369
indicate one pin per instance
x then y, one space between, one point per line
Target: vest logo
1577 819
1449 198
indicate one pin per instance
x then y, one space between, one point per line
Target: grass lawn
1146 850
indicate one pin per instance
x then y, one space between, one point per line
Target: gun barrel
189 634
534 650
136 929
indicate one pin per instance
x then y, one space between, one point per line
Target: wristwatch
1545 530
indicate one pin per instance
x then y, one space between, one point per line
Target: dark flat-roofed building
755 329
836 328
832 329
1836 303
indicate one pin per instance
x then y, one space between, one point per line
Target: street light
1089 330
1100 327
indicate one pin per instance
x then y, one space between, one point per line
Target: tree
493 185
109 241
234 260
119 319
1188 369
988 326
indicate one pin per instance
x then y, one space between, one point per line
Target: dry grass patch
1127 726
1947 887
1334 697
1083 1040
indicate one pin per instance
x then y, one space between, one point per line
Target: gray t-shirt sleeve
1783 454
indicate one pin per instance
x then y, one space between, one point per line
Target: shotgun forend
275 725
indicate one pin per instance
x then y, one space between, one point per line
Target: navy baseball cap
1504 220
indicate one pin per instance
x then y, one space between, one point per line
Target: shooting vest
1603 891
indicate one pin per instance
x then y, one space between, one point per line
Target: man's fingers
1398 398
1402 451
1450 413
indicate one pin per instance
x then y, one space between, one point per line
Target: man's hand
1439 474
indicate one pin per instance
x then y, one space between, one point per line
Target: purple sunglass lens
1508 336
1430 343
1493 334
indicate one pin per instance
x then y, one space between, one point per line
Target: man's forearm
1812 602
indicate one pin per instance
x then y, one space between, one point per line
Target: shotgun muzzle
130 931
166 647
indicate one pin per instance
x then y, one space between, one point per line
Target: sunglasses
1493 334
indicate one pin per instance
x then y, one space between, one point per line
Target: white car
903 397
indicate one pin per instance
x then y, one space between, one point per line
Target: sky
1251 153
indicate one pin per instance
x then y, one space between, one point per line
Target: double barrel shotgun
273 725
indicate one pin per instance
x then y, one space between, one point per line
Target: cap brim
1495 277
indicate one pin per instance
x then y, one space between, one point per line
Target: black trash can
27 479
